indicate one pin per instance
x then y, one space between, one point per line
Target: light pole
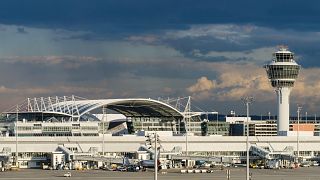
187 118
104 118
298 128
155 156
16 133
247 101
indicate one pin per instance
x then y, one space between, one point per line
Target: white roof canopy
76 107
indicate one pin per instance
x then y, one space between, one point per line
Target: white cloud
234 81
258 55
50 60
203 84
57 89
228 32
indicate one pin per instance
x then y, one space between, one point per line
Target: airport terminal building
60 131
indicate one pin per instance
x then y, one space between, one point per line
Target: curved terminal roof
133 107
127 107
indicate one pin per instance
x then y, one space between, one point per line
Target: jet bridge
265 151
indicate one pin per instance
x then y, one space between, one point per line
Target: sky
211 50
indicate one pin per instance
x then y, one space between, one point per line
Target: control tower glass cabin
282 73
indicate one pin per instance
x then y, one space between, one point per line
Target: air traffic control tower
282 73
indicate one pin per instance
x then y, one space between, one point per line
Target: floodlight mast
155 156
247 101
187 117
104 120
298 129
16 134
282 73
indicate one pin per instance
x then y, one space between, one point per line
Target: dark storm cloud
35 70
188 44
142 15
139 48
231 38
119 19
96 16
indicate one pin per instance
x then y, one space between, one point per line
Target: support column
283 95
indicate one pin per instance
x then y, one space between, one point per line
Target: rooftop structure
282 73
75 116
77 108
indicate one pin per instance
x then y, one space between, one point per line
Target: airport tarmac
307 173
